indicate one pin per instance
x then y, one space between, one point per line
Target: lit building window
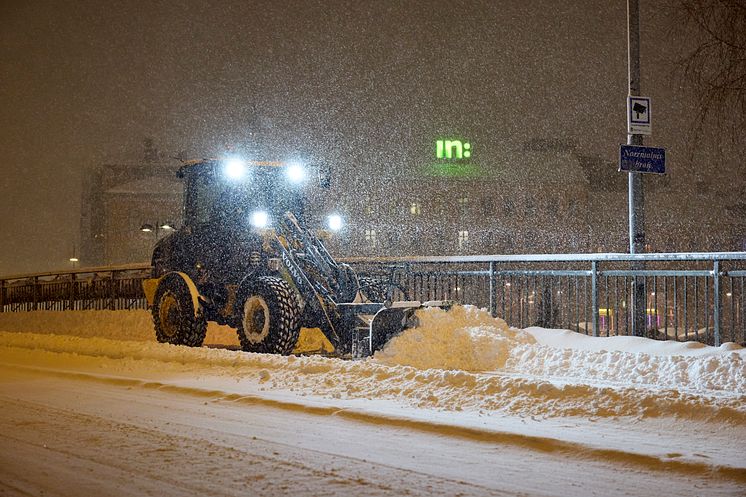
463 205
415 208
463 238
370 238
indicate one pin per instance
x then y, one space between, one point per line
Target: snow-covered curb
463 360
449 390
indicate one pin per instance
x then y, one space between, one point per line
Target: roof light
334 222
235 168
259 219
296 173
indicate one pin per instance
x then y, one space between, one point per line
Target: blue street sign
636 159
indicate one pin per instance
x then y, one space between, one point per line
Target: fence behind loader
688 296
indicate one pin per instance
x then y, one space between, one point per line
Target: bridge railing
112 288
688 296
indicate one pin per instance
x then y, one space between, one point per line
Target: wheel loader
245 258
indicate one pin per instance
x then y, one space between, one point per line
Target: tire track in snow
536 443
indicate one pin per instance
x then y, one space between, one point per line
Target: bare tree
713 63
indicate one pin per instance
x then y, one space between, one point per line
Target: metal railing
112 288
687 296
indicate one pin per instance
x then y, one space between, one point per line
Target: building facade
551 200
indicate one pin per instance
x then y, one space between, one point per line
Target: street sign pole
635 193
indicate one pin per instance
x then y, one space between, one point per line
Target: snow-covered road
72 435
479 410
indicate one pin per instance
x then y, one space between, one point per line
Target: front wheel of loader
380 291
176 320
268 320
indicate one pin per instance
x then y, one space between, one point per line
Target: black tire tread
193 326
378 291
284 316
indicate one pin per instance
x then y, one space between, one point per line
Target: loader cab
227 209
237 195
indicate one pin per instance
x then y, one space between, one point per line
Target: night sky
363 85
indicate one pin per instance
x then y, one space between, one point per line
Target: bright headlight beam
296 173
334 222
235 168
259 219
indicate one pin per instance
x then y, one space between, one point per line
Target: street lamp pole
635 190
74 260
636 194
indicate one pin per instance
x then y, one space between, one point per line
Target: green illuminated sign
453 160
452 149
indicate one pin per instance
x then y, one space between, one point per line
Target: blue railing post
594 296
716 301
493 290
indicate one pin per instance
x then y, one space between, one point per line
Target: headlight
234 168
334 222
296 173
259 219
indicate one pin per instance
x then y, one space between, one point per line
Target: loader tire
380 291
174 317
348 283
268 317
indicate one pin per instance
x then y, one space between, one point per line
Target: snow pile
135 325
724 371
465 338
122 325
227 371
469 339
570 340
463 360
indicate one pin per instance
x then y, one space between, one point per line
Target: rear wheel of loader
175 319
268 319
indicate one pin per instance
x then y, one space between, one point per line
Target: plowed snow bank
469 339
134 325
464 338
461 360
340 379
451 352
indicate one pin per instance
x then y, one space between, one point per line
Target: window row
372 240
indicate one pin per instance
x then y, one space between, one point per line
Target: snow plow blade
394 319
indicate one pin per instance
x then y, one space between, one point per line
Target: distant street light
74 258
156 228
